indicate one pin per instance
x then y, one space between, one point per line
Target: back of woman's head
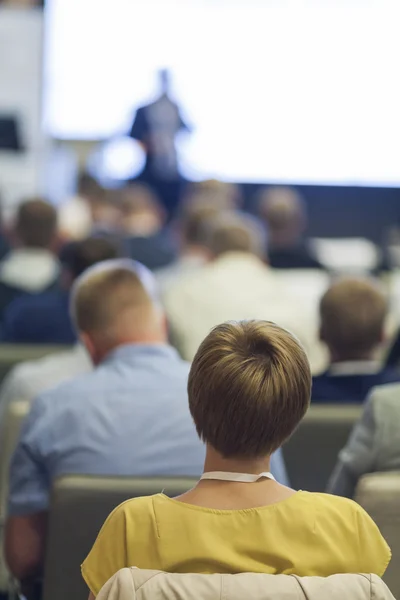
249 387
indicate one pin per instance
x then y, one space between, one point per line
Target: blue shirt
128 417
39 319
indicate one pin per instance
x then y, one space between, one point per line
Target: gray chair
12 354
379 495
311 453
79 507
9 433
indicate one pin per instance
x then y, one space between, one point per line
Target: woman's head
249 387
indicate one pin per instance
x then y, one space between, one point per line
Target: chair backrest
13 418
311 453
379 495
12 354
79 507
142 584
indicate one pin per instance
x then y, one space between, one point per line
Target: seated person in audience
235 284
352 313
374 444
31 267
193 227
249 387
220 194
75 215
45 318
284 214
143 220
128 417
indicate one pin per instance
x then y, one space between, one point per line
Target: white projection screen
296 91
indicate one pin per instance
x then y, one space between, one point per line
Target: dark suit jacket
39 319
349 389
296 257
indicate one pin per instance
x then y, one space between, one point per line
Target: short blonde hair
106 290
249 387
352 313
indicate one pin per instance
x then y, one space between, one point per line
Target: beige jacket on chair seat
141 584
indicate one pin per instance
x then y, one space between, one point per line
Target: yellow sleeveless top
306 534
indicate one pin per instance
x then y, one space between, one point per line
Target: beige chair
79 507
311 453
9 433
12 354
141 584
379 494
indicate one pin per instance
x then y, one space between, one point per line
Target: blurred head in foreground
352 314
115 303
249 387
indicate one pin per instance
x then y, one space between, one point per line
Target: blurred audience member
128 417
193 231
143 219
91 211
222 195
75 215
32 266
284 215
374 444
352 313
236 284
249 387
45 318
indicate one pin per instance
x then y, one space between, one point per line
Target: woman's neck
215 462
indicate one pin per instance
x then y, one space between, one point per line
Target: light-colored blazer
374 444
141 584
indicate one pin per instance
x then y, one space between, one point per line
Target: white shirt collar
355 367
31 269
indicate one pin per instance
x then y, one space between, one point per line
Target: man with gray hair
235 285
128 417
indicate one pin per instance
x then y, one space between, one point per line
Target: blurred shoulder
386 393
72 391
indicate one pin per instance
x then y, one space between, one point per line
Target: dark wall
346 211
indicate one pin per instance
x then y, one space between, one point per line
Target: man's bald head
115 303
